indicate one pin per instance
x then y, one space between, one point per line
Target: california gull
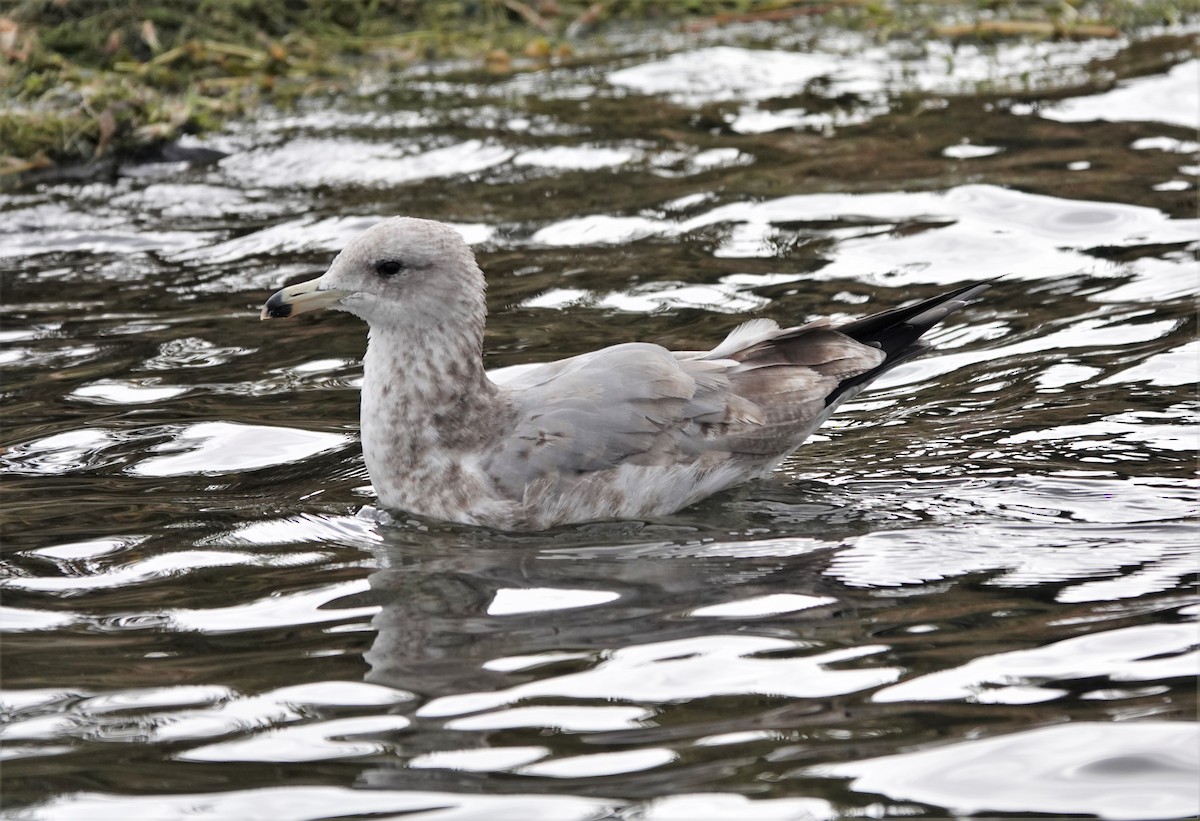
629 431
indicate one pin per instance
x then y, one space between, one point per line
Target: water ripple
1131 771
692 668
1142 653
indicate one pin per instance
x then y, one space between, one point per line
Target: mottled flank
628 431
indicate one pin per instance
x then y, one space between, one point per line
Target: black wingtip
897 328
897 332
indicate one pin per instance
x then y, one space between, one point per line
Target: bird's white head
396 272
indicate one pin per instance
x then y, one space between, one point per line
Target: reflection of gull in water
628 431
477 668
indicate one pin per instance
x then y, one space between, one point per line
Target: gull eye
388 267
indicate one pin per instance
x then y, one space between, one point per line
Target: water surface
972 592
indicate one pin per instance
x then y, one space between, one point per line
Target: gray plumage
633 430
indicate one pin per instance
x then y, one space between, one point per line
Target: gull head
396 271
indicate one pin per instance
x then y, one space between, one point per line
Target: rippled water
972 592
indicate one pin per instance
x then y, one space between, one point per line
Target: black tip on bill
276 308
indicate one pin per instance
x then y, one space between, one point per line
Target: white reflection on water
969 228
1165 144
62 226
193 201
1110 331
212 448
972 228
1110 435
84 577
481 760
685 669
1130 537
203 449
183 714
563 718
126 392
510 601
1057 377
597 765
751 119
1131 771
299 529
1171 98
314 162
769 605
720 297
1147 652
968 151
1018 555
860 76
1156 279
316 741
302 803
725 73
575 157
309 606
1169 368
597 229
697 806
19 620
89 549
863 69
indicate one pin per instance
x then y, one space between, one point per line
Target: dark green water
973 592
